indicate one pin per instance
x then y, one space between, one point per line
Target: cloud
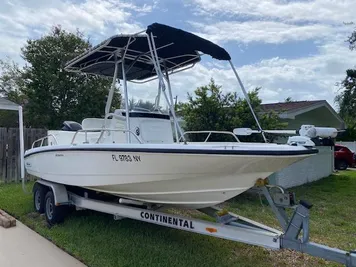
236 22
330 11
20 19
279 22
261 31
307 78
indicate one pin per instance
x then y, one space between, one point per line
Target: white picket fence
350 145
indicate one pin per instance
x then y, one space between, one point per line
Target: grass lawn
98 240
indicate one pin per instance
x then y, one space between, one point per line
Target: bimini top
176 50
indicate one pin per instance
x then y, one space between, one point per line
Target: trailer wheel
39 192
54 214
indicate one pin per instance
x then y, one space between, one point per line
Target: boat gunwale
193 151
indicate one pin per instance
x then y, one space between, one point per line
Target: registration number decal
126 158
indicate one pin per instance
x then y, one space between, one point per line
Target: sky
289 48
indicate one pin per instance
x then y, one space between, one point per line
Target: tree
352 40
146 105
50 94
346 100
211 109
288 100
9 79
141 104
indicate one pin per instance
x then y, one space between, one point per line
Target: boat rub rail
184 151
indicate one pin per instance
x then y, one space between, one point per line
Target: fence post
3 154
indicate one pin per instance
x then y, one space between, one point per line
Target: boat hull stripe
186 151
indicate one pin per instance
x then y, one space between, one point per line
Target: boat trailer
228 225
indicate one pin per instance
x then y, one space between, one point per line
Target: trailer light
211 230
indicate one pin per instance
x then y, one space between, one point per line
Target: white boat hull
191 178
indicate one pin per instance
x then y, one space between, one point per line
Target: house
297 113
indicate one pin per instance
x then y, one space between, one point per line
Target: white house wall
311 169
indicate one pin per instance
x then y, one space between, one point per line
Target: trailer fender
59 191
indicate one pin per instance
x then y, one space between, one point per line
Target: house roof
7 104
290 106
288 110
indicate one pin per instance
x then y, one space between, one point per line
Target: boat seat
95 123
71 126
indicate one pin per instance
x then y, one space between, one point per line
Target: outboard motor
71 126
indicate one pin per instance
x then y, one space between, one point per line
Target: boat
136 154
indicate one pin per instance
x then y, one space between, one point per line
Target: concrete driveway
22 247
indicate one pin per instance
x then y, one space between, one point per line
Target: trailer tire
39 193
54 214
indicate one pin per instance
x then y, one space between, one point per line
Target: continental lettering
166 219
